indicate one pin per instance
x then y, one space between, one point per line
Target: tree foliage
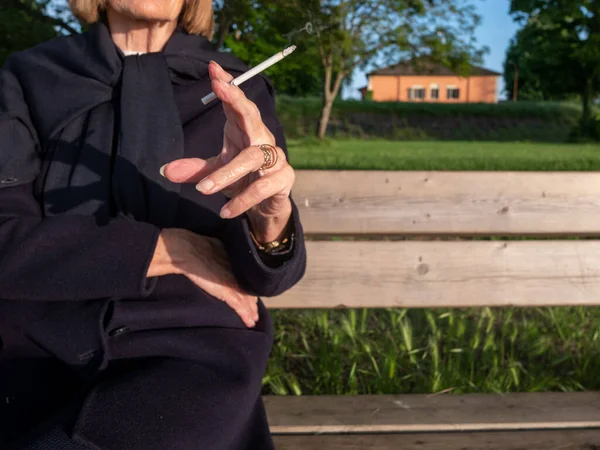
263 28
559 45
359 33
22 25
253 30
525 58
334 37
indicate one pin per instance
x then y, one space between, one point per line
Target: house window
416 93
434 92
453 93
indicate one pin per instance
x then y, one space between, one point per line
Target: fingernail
162 169
225 212
205 185
216 63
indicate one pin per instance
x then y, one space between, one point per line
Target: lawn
425 351
436 155
422 351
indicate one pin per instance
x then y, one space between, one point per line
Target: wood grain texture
413 202
523 440
447 274
432 413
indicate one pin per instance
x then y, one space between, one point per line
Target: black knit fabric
70 79
54 439
157 363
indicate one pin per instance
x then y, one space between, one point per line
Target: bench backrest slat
430 273
459 203
435 274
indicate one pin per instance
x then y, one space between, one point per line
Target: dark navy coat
141 364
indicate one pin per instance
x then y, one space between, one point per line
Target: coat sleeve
62 257
259 274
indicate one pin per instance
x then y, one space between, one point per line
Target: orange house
424 81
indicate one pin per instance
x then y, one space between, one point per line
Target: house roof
424 66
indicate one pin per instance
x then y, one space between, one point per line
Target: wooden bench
428 272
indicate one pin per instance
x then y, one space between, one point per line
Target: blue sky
495 32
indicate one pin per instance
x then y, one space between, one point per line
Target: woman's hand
263 194
204 261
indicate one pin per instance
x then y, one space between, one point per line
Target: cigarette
254 71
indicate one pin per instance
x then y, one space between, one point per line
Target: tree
374 32
563 41
20 30
251 30
256 30
228 14
25 23
525 58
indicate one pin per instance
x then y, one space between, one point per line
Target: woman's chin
150 15
149 10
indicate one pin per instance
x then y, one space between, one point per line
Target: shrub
508 121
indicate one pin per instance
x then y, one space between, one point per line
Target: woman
137 228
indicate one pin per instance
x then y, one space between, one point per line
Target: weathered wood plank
447 274
414 202
432 413
520 440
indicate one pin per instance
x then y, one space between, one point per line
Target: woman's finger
252 305
216 71
238 300
279 182
249 160
244 309
189 170
230 294
246 304
245 111
211 271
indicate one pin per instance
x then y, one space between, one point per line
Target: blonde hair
196 17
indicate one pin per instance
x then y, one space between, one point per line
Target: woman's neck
140 36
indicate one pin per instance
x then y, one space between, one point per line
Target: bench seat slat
432 413
432 274
523 440
416 202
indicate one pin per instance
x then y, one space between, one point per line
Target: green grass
397 351
394 155
424 351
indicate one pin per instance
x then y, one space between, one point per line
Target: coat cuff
261 274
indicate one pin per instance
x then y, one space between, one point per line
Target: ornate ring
270 155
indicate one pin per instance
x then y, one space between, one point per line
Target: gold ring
270 155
